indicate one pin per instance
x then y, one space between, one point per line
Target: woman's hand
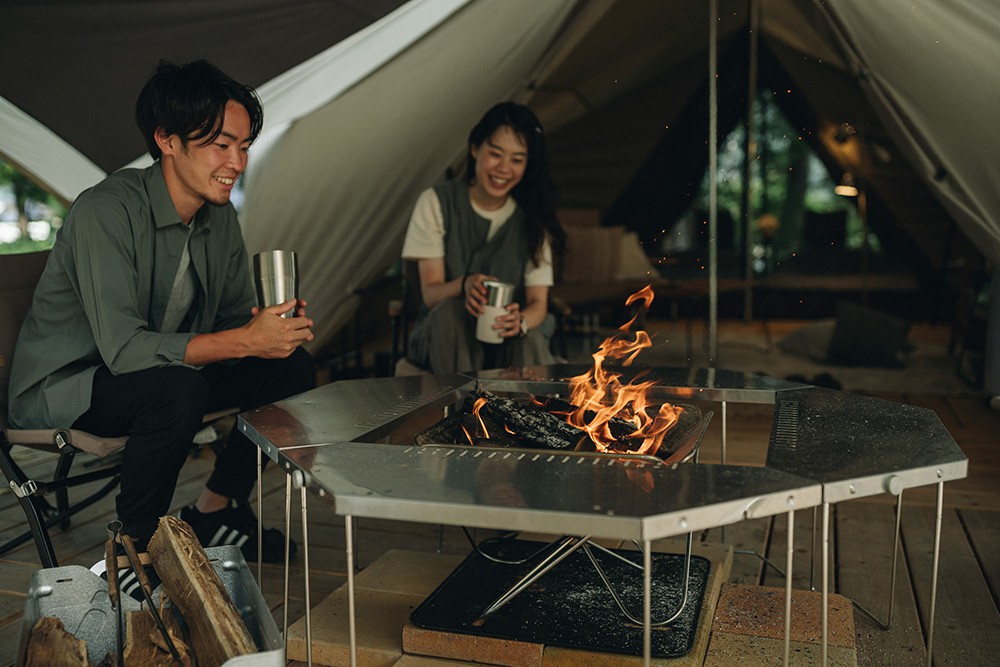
508 325
474 295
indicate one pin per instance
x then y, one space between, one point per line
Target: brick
489 650
407 572
728 649
380 615
760 611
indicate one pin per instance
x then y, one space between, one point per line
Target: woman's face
500 164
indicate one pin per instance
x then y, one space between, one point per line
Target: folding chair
20 276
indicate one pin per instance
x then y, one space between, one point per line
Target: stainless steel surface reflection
350 410
708 384
859 446
825 446
537 491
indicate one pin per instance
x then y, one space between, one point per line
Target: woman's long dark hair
534 192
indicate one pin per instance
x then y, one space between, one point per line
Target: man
144 317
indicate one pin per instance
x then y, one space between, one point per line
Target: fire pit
352 443
488 419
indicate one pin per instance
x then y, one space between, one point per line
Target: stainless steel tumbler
276 277
498 296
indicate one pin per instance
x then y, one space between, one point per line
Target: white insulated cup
498 297
276 278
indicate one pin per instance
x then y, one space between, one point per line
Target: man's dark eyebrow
232 137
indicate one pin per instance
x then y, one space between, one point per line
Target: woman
493 223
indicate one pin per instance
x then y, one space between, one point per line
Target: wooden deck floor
967 617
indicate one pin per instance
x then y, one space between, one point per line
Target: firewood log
144 645
217 631
536 428
51 644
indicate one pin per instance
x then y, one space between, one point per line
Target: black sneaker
128 582
237 525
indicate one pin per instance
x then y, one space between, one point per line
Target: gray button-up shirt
105 289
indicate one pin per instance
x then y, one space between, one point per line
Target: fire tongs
131 559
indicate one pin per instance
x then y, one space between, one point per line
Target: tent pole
750 145
713 184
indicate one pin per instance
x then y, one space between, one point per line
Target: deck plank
967 624
983 529
864 565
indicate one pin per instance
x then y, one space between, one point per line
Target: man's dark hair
190 101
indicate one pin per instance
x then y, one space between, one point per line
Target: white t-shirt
425 235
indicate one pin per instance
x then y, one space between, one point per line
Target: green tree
26 190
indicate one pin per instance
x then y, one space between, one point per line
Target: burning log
534 428
621 428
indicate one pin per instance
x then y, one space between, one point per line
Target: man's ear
167 143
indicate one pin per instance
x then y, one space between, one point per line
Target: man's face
197 173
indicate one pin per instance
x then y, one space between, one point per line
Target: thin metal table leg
789 557
288 524
826 579
812 555
260 521
301 483
722 529
934 570
351 619
647 603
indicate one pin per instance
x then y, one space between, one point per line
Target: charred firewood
532 427
620 428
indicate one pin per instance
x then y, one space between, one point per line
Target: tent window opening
794 207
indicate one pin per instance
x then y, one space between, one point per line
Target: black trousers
161 410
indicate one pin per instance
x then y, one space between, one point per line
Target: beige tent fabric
366 156
932 64
338 186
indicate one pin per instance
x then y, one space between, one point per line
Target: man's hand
267 335
271 336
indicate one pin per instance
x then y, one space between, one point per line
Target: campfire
603 412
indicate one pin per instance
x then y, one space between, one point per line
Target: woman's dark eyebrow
493 145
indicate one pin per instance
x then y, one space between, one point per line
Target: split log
217 630
144 645
51 644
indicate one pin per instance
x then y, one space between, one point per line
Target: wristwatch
524 327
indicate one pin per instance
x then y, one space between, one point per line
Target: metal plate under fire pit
569 606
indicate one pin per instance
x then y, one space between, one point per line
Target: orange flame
602 392
476 407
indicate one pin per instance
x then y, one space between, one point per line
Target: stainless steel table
348 442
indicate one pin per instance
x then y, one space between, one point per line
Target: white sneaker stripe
217 538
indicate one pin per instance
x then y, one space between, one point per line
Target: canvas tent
367 102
